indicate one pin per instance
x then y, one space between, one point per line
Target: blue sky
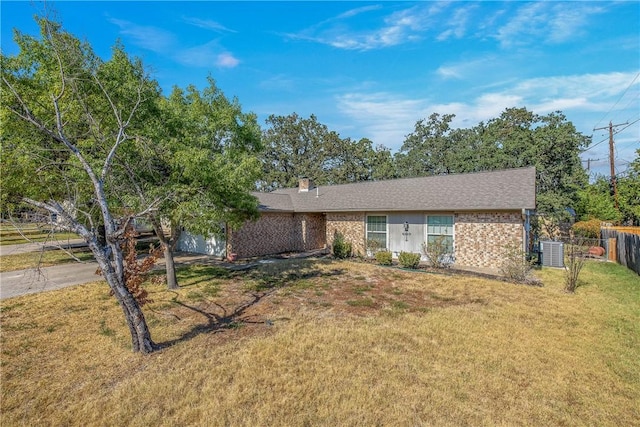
372 69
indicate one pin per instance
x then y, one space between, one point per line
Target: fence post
613 249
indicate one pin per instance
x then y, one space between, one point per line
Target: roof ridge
410 178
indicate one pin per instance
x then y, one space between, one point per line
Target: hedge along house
479 214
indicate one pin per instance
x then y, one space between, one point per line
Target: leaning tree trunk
140 335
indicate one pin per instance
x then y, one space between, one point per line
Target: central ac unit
552 254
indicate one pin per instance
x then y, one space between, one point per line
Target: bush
574 261
409 259
589 229
437 252
341 248
384 258
373 247
516 267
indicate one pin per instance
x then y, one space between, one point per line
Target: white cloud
466 69
147 37
206 55
164 42
548 22
227 60
388 117
207 24
357 11
397 28
457 24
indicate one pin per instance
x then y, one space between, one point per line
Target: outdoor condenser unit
552 254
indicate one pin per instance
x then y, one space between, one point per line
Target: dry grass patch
282 345
12 234
42 259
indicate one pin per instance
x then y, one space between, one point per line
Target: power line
612 162
621 96
607 138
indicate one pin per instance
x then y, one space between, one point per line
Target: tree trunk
172 280
140 335
167 250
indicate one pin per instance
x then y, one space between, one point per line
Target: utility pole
589 163
614 189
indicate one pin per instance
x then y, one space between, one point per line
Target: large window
377 230
440 227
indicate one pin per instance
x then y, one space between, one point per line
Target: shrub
409 259
436 252
516 267
341 248
589 229
384 257
373 247
574 261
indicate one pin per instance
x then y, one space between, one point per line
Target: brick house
477 213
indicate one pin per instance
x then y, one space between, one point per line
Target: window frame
385 232
453 228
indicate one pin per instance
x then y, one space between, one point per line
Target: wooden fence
623 245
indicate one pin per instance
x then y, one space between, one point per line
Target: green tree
595 201
518 138
629 193
66 115
297 147
428 150
202 164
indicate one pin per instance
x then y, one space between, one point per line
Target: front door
406 233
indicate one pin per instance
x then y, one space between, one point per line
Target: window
440 225
377 230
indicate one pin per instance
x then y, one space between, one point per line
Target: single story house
477 215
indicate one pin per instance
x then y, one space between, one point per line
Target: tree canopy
94 142
203 165
518 138
297 147
597 199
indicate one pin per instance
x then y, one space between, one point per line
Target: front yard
330 343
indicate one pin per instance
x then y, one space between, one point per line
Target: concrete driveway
30 281
23 282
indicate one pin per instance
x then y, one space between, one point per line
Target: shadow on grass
262 282
192 276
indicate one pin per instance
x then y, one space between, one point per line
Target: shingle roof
508 189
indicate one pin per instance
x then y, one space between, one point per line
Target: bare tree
575 254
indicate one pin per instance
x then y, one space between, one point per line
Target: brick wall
352 227
275 233
309 232
481 238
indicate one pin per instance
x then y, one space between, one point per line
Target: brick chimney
305 185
